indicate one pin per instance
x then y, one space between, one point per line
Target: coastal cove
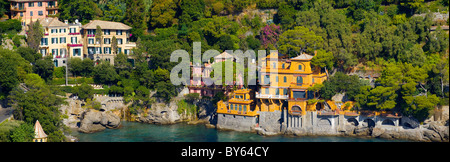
182 132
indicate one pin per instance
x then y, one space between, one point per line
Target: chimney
76 21
66 21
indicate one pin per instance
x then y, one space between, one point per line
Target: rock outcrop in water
94 121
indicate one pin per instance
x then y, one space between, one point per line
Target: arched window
285 79
299 80
299 67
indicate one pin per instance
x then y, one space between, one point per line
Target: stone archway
388 122
296 110
369 123
324 122
353 121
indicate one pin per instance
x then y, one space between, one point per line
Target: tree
83 10
191 10
75 66
35 33
414 55
114 45
38 103
135 14
24 133
114 12
286 15
99 35
44 68
437 41
269 36
8 71
300 39
217 27
382 98
163 13
28 54
84 91
104 73
323 59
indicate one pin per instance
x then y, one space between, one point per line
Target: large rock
94 121
439 129
161 113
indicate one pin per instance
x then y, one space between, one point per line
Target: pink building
197 85
32 10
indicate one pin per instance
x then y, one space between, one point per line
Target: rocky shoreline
90 121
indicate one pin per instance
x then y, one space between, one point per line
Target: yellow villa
283 85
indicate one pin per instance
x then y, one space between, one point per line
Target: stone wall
236 122
312 124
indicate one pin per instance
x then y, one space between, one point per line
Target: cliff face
167 113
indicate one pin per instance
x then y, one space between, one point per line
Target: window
76 52
39 4
54 52
277 91
98 50
245 107
62 51
91 40
91 50
91 31
74 40
299 80
285 79
282 66
299 94
106 32
31 13
40 13
240 107
21 14
107 50
107 41
312 80
62 30
30 4
266 79
118 32
119 41
54 40
299 67
266 91
274 65
44 41
119 50
72 30
62 40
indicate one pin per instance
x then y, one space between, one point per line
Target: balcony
14 8
74 33
48 8
75 45
270 96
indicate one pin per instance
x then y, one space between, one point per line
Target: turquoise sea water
141 132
